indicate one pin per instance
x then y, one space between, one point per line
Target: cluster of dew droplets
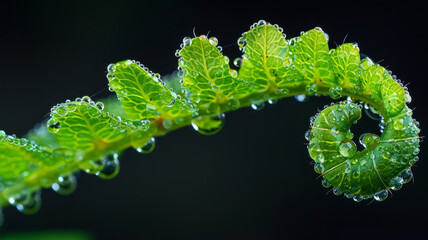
25 200
29 145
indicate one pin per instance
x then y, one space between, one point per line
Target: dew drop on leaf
347 148
187 41
53 125
209 125
65 185
110 166
381 196
213 41
258 106
301 98
148 147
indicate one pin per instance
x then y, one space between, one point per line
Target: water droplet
213 41
272 101
110 166
86 99
148 147
369 140
167 124
65 185
261 23
53 125
319 168
381 196
407 175
71 107
32 205
110 67
300 98
311 89
309 135
337 191
100 105
325 183
234 73
209 125
61 111
347 148
397 183
241 42
187 41
335 92
237 62
258 106
358 198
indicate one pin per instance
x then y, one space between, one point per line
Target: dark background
253 180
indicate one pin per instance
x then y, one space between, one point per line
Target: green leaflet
311 56
346 59
265 59
86 128
142 93
207 74
18 158
392 96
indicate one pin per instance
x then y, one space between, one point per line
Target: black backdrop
253 180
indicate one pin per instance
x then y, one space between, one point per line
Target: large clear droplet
53 125
311 89
110 166
407 175
369 140
209 125
65 185
381 196
187 41
335 92
347 148
148 147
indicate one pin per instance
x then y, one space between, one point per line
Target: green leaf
87 127
393 96
311 57
346 59
372 78
265 59
142 93
18 158
207 72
